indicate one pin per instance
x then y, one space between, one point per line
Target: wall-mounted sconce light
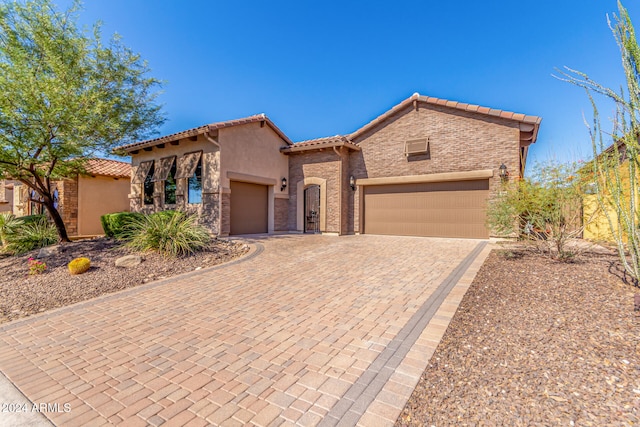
503 172
284 184
352 182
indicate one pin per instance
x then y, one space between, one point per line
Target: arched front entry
312 209
317 189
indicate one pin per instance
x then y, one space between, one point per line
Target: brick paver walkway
310 329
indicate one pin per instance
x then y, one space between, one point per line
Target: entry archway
300 203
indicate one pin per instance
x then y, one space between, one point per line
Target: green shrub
8 225
29 219
79 265
167 215
31 235
171 233
117 224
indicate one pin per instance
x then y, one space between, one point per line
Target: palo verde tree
543 210
65 96
616 166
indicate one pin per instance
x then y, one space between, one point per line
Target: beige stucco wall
6 197
251 153
98 196
252 150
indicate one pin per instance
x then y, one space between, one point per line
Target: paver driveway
307 330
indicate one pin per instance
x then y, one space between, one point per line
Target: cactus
79 265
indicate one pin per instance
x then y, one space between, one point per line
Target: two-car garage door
437 209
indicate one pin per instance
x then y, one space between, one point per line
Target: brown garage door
438 209
249 206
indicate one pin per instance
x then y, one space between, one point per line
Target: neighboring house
426 167
82 200
596 222
6 195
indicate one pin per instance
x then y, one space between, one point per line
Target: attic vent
416 146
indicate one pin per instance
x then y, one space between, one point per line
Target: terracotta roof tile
322 141
329 141
535 120
107 167
202 129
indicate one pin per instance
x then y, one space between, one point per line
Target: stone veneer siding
68 204
281 214
208 211
225 206
319 164
458 141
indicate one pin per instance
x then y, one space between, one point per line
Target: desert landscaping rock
536 343
48 251
22 295
129 261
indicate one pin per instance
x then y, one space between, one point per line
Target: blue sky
325 68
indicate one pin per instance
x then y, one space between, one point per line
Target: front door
312 209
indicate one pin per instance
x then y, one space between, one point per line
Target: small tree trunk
57 219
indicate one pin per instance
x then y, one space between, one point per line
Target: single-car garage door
437 209
249 208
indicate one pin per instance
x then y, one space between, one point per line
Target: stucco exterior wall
317 164
254 150
6 196
98 196
458 141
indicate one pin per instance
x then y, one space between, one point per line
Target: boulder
128 261
48 251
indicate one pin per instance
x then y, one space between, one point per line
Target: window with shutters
195 185
148 186
170 186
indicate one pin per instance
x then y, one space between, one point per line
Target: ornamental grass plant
24 236
171 233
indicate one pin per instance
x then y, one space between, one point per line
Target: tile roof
529 131
326 142
107 167
202 129
522 118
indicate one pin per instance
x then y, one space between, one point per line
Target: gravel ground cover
536 342
22 295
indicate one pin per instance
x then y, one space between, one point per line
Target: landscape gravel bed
536 342
22 295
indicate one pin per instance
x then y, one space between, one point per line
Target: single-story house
426 167
81 201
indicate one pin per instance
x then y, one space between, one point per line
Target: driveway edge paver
367 395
